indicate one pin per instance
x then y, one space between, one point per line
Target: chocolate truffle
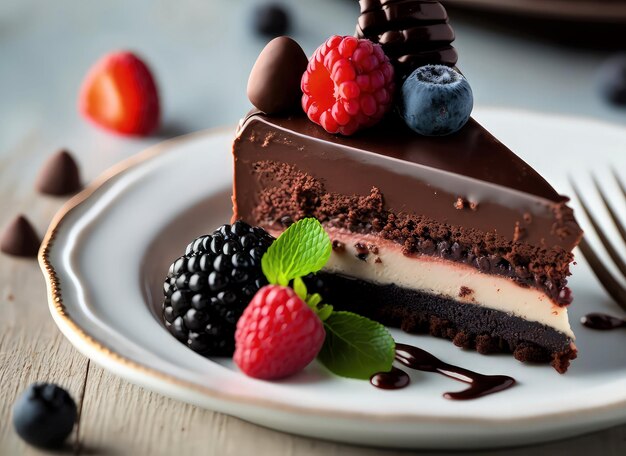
274 83
59 175
20 239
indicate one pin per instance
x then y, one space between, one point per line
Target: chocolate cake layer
287 194
467 325
467 179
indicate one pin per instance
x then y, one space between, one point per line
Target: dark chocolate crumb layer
286 191
466 325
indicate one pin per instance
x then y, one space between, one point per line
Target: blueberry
270 20
612 80
44 415
436 100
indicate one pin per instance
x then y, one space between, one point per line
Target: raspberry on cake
348 85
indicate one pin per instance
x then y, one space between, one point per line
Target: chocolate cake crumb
465 291
519 232
378 260
462 203
528 218
286 190
373 249
338 246
361 251
268 139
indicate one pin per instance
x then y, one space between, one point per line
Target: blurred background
543 55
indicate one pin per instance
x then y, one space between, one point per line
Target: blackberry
44 415
207 289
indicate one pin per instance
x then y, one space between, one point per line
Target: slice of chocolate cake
436 226
452 235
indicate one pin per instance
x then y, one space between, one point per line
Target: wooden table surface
201 54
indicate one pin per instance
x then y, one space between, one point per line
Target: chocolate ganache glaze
485 197
415 174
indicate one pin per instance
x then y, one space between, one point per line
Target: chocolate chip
270 20
20 239
457 251
443 248
483 263
361 251
286 221
565 296
59 175
427 246
339 246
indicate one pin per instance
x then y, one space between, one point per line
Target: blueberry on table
270 20
612 80
44 415
436 100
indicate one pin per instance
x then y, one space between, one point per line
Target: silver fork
604 275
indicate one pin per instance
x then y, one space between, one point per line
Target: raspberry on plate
277 335
348 85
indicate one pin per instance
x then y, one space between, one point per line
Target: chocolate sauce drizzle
394 379
418 359
602 322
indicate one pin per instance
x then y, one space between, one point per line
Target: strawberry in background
119 94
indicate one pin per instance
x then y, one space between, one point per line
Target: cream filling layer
386 264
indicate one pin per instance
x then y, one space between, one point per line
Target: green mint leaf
302 249
355 346
314 299
300 288
325 312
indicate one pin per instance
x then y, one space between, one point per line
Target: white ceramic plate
107 252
